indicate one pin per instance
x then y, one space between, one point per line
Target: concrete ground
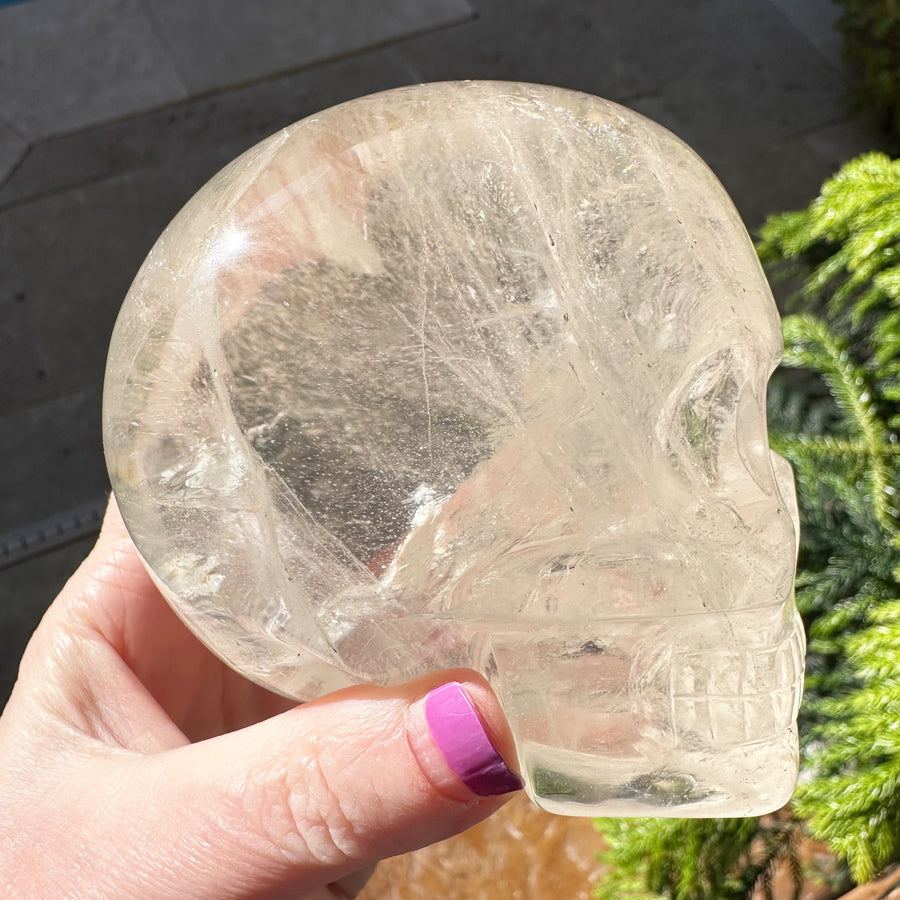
114 112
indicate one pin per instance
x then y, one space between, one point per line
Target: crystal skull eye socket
473 374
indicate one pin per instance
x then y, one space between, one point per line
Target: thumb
303 799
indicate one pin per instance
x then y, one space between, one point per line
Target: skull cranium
474 374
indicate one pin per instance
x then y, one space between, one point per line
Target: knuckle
302 817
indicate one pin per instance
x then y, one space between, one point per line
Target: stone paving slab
201 134
13 145
737 81
759 176
23 363
817 21
727 96
47 534
67 65
78 252
52 459
216 43
25 591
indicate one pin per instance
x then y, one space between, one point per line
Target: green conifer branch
810 343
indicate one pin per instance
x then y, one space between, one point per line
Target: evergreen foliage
684 859
836 420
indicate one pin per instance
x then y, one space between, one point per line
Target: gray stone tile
78 252
737 81
217 43
788 175
817 21
794 175
26 590
840 141
53 462
753 104
67 65
23 366
45 535
765 173
747 79
13 146
737 63
201 135
744 78
52 458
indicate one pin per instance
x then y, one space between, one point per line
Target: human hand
136 764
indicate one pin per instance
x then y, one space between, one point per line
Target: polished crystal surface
473 374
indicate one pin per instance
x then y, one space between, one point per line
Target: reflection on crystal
474 374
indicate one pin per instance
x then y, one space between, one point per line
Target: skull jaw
746 780
612 718
630 723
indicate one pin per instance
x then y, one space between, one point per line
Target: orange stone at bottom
519 853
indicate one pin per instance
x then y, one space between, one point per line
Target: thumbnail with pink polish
457 730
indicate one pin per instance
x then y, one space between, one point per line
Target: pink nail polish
458 733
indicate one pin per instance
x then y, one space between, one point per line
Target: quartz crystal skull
474 374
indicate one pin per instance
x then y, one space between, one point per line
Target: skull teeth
731 696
